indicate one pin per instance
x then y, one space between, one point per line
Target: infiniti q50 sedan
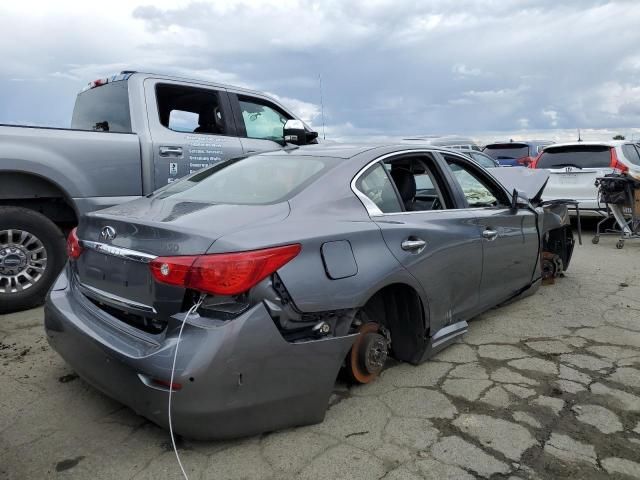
300 262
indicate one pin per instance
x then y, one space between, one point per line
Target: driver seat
206 121
406 185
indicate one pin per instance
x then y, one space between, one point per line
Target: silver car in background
574 167
454 142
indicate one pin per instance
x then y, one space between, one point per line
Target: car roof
177 78
469 150
349 150
529 142
441 139
602 143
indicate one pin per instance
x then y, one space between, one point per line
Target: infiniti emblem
108 233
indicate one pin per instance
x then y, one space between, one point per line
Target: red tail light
524 161
222 273
616 164
74 250
534 162
166 384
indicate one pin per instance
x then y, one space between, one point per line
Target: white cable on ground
173 369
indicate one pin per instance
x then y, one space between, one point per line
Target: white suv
575 166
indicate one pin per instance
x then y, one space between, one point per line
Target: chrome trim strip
118 251
112 299
372 208
449 332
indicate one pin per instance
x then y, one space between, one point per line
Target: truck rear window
579 156
103 109
500 151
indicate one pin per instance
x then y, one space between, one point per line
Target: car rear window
255 180
103 109
579 156
631 153
501 151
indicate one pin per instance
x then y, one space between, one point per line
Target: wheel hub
12 260
23 260
368 354
551 267
375 352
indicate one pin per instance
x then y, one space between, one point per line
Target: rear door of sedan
439 244
510 241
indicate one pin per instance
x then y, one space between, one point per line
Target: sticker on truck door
173 168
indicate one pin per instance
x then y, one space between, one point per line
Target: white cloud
388 69
552 115
461 70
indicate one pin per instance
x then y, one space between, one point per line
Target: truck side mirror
294 132
519 199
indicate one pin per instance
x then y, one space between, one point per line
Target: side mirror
294 132
519 199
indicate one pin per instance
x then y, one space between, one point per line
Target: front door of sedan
510 239
439 246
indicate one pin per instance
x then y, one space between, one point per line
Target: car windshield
578 156
501 151
255 180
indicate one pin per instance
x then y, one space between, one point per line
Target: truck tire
32 253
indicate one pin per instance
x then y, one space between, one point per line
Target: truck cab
131 133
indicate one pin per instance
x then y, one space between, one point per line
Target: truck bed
83 163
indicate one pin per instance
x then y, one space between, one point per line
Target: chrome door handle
413 245
490 234
170 151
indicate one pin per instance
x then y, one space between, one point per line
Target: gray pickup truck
131 134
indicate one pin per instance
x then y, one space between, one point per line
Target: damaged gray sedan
300 262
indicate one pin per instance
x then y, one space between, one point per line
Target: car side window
262 121
376 185
189 109
478 191
631 154
417 183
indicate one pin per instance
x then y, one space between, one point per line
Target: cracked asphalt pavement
547 387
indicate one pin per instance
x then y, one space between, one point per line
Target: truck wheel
32 253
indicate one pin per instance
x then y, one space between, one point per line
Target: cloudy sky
389 68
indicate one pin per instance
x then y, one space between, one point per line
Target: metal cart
621 194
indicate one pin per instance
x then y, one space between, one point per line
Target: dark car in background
346 255
515 154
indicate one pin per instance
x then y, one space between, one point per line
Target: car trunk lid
574 169
119 243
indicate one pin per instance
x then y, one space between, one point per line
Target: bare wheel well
398 307
30 191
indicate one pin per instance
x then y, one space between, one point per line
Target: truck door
260 122
191 128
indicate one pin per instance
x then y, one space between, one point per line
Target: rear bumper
238 377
